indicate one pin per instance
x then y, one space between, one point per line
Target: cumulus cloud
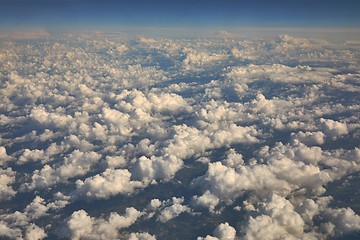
309 138
283 170
279 73
76 164
279 220
93 116
3 156
206 200
166 209
7 177
334 129
33 232
141 236
222 232
80 225
171 212
194 59
20 225
106 184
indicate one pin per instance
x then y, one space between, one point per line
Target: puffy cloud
80 225
334 129
7 177
20 225
284 169
6 231
206 200
166 209
279 73
189 141
141 236
76 164
36 208
52 120
222 232
197 59
156 168
3 156
344 220
171 212
33 232
225 232
128 114
309 138
106 184
277 220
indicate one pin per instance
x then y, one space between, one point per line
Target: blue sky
111 14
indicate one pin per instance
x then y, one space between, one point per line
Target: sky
111 14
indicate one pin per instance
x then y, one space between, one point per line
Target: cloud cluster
20 225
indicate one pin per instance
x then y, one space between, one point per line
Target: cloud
206 200
195 60
309 138
166 210
263 124
171 212
344 220
284 169
76 164
106 184
222 232
334 129
80 225
33 232
3 156
279 73
20 225
156 168
141 236
279 220
7 177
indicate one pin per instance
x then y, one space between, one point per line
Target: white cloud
345 220
309 138
76 164
207 200
166 209
195 59
7 177
33 232
334 129
225 232
279 73
171 212
6 231
222 232
80 225
106 184
141 236
156 168
100 115
3 156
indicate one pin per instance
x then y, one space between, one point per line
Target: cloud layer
106 137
